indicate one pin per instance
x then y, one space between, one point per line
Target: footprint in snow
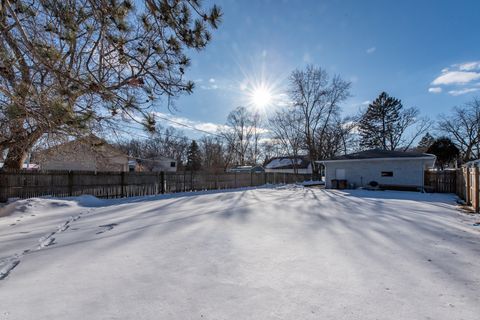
8 267
107 227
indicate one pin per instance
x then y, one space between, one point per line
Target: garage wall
405 172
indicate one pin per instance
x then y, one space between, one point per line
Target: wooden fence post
468 180
184 181
191 180
3 187
475 190
70 183
162 182
122 184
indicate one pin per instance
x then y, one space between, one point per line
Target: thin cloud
435 90
307 58
462 91
371 50
469 66
188 124
456 77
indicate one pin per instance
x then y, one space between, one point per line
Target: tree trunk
16 156
18 152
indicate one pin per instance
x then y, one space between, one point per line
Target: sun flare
261 97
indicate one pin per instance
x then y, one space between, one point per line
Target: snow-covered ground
268 253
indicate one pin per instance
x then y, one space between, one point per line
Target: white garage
387 169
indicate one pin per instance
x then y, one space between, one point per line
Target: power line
188 126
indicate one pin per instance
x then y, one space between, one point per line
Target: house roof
246 169
301 162
93 142
381 154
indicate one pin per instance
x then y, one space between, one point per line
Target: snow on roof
286 163
381 154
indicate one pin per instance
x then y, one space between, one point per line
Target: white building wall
406 172
165 165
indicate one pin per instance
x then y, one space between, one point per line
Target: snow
312 183
267 253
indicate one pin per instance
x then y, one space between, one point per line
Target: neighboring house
163 164
83 154
393 169
134 166
156 165
246 169
287 165
26 166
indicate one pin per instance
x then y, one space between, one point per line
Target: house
164 164
83 154
26 166
157 164
246 169
288 164
387 169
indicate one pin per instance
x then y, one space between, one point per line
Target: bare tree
462 126
286 127
213 154
163 143
242 134
318 99
337 138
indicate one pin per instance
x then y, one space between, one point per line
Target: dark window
173 164
387 173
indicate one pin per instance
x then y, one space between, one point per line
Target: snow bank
36 205
313 183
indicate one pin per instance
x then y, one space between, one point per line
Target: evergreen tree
384 123
377 125
445 150
194 158
426 142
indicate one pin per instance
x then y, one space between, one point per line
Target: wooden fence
28 184
442 181
464 182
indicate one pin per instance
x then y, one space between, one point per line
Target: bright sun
261 97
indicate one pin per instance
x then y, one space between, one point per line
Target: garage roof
381 154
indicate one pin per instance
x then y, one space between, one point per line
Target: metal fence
28 184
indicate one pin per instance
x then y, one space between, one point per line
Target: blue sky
403 47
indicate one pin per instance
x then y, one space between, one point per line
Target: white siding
408 172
